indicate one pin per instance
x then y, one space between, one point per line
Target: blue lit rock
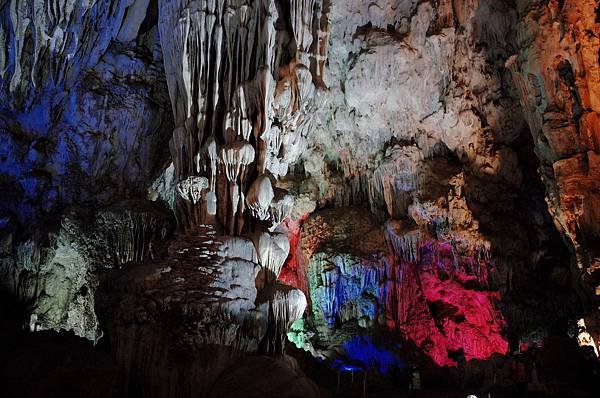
85 117
343 288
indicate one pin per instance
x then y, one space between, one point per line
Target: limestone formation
260 196
240 96
197 186
247 103
556 75
272 249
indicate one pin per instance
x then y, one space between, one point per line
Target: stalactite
405 244
288 306
211 148
280 207
284 306
272 249
232 97
240 97
260 196
191 188
238 247
235 157
395 179
341 287
55 27
130 233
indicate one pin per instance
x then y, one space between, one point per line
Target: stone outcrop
384 183
422 123
56 273
84 105
556 74
437 293
197 311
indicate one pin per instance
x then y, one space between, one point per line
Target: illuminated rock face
339 170
556 74
85 110
58 273
240 83
431 131
242 96
444 303
437 293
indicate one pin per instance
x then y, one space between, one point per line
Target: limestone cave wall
207 188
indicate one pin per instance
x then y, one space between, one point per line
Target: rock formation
556 74
240 96
206 188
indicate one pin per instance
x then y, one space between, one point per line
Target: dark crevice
151 19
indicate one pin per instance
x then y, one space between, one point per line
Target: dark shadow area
49 363
560 368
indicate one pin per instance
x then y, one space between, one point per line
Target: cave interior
299 198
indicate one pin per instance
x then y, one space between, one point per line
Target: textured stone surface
242 94
56 274
556 72
423 175
84 116
438 294
422 123
414 75
196 311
